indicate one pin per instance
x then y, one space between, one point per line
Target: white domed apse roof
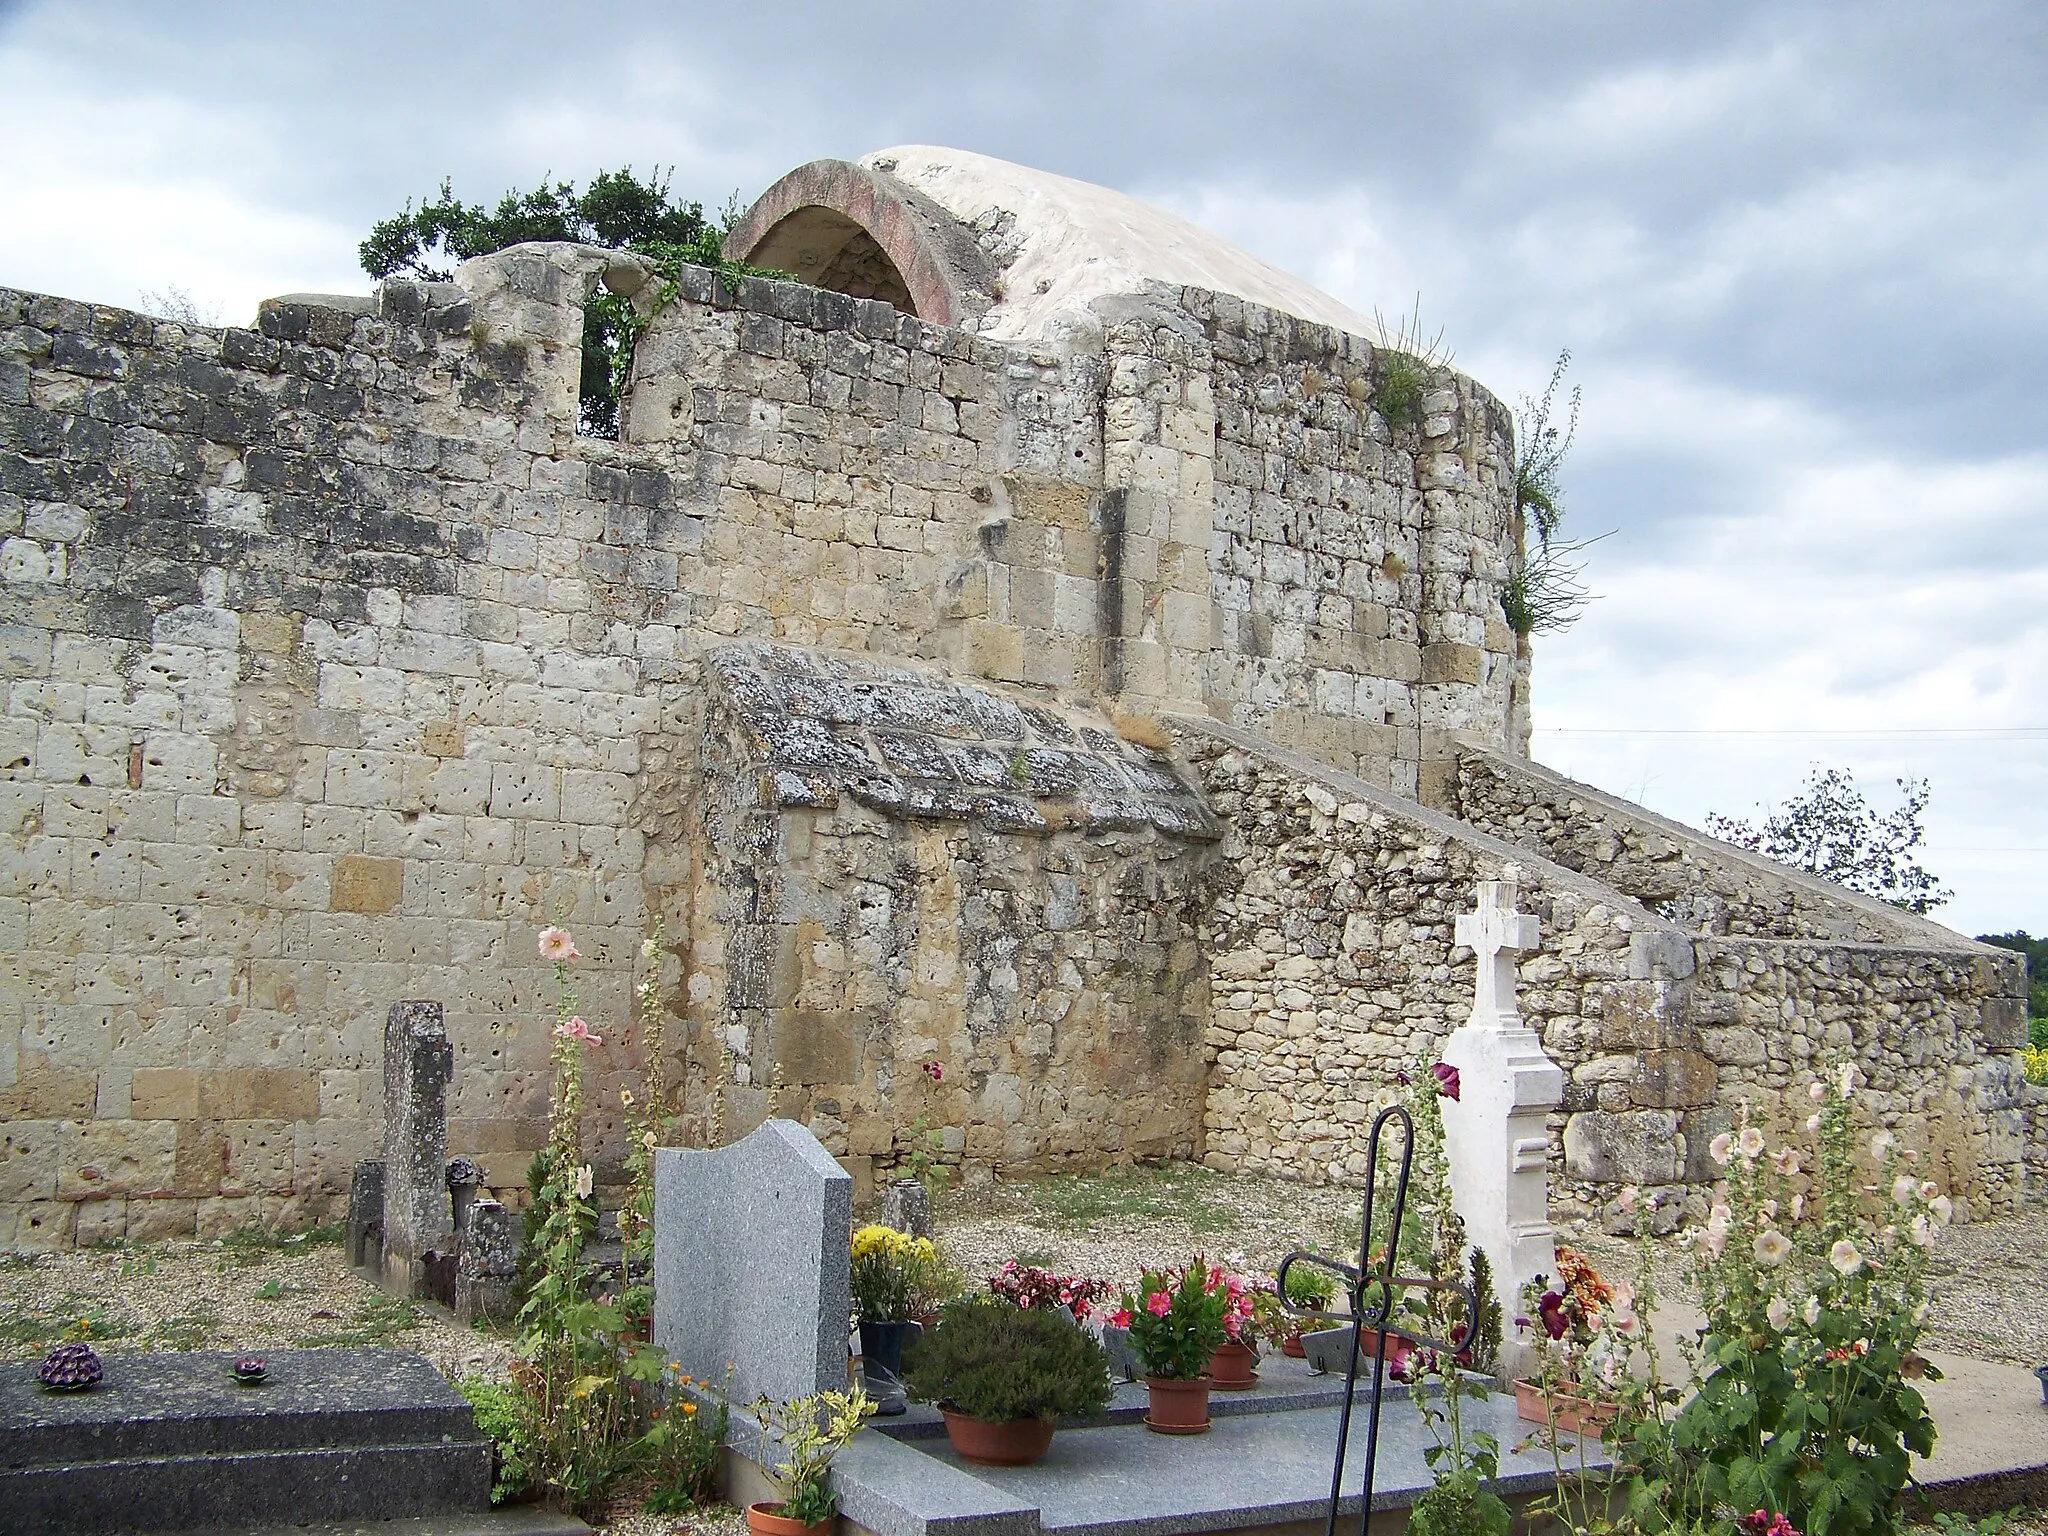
999 247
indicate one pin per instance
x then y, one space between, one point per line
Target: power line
1974 731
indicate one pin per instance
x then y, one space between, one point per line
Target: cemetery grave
748 1246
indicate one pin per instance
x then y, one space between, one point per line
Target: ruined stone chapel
1029 643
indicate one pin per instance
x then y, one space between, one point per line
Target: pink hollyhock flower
1845 1257
1159 1303
1721 1148
1786 1160
555 944
1446 1077
1750 1143
576 1029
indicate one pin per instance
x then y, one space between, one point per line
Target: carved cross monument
1496 1135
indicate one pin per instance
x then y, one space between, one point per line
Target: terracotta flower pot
763 1521
1016 1443
1178 1406
1563 1409
1230 1368
1290 1343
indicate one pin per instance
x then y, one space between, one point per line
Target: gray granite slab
172 1442
1249 1470
1255 1467
188 1404
751 1262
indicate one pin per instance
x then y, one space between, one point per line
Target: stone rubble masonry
901 871
336 663
1334 965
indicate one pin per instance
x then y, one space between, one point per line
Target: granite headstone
751 1262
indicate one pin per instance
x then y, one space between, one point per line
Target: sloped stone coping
916 744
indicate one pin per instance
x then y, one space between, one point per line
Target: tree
1828 830
617 209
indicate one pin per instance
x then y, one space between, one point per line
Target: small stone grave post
1496 1134
751 1263
418 1062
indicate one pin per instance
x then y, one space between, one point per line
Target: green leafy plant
1814 1297
582 1384
617 209
808 1432
495 1407
1546 590
682 1445
1403 366
1310 1288
998 1362
1176 1321
1830 831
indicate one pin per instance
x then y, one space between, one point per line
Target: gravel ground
259 1293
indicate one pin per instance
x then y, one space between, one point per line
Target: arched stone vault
816 222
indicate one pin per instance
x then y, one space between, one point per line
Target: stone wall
1357 563
1698 881
337 663
902 872
1334 963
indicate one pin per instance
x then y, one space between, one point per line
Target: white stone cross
1496 934
1496 1134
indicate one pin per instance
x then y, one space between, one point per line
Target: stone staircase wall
1333 965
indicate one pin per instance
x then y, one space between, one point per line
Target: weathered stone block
1645 1015
816 1047
363 884
114 1157
1673 1079
1631 1147
258 1093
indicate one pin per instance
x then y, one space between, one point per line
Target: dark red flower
934 1071
1446 1080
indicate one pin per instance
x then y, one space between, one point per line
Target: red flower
934 1071
1159 1303
1446 1077
1120 1319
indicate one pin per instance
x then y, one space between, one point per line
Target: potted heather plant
1004 1376
1176 1322
806 1433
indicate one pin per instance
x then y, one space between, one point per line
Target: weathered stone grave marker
418 1062
751 1262
414 1218
1496 1134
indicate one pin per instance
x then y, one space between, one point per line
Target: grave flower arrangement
808 1432
1176 1324
889 1271
1028 1286
1004 1376
1810 1268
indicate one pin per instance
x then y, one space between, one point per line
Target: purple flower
1446 1080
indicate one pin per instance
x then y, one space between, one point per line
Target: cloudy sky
1799 252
